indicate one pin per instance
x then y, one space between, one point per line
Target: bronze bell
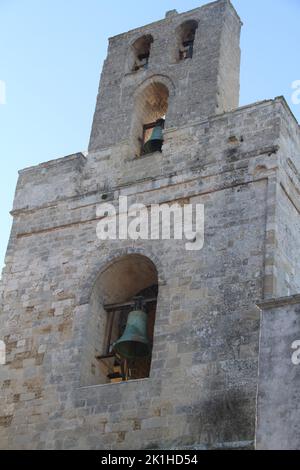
155 143
134 343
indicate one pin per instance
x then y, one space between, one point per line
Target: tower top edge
171 17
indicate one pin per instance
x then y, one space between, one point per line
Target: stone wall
202 388
278 393
287 261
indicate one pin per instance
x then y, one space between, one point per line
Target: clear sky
51 54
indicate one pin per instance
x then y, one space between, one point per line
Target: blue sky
51 54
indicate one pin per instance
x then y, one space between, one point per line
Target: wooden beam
123 306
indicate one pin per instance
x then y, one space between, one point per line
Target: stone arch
120 279
139 53
157 78
99 265
185 35
151 104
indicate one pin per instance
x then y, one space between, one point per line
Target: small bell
134 343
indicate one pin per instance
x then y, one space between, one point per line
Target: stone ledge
80 156
111 385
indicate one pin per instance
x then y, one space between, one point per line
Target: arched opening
186 34
140 53
112 301
151 107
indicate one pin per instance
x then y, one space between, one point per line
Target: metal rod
105 356
111 324
123 306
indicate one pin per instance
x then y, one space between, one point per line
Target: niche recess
151 106
185 35
111 302
140 53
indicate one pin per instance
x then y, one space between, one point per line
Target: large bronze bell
134 343
154 144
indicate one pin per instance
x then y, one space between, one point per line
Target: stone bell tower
167 129
205 84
